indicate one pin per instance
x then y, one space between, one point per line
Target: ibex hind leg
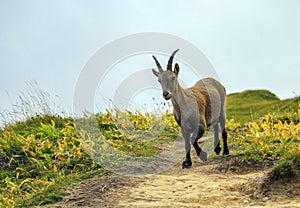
224 135
216 139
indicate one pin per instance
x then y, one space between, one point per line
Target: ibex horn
169 67
157 64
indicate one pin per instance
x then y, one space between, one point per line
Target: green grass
38 156
42 155
285 169
270 139
251 105
263 127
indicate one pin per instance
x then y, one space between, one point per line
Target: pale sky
252 44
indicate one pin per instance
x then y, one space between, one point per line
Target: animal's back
211 85
213 94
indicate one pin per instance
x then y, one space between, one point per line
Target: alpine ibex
195 108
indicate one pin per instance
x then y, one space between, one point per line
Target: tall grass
31 103
36 160
272 139
40 151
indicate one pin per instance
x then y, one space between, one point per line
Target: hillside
251 105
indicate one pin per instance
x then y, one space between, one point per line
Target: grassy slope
251 105
38 157
271 131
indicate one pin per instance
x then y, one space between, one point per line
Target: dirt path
221 182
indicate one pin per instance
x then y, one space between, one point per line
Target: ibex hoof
218 150
226 152
186 164
203 156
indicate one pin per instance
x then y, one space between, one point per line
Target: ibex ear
155 72
176 69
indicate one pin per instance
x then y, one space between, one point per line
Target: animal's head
167 78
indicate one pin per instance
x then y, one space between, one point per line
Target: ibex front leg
194 139
196 136
188 162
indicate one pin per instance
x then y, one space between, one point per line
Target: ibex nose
166 94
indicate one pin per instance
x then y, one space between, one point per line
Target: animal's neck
179 96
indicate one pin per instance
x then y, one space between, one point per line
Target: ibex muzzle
166 95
